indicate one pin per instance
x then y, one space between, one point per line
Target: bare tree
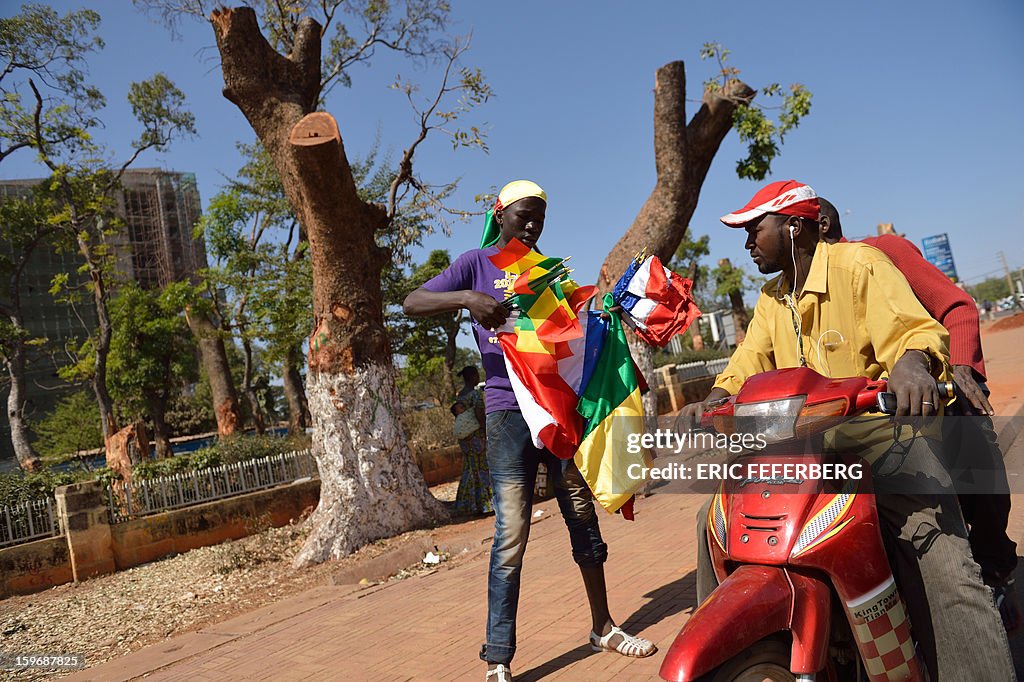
683 152
370 487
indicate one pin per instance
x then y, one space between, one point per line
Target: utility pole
1009 281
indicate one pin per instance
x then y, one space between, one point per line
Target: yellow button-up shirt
856 316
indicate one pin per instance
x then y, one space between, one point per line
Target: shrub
429 428
162 467
228 450
72 427
243 448
16 487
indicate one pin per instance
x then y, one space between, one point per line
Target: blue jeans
513 460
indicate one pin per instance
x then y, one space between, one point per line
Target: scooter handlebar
887 399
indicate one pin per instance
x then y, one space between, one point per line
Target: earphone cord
823 363
791 304
801 358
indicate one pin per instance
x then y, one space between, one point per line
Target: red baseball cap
787 197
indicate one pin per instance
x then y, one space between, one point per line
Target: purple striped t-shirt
473 270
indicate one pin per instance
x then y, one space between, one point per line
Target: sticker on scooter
882 629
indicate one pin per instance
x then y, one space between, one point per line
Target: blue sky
915 121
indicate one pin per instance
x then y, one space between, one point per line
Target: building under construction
160 211
154 246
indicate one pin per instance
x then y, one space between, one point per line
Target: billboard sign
938 253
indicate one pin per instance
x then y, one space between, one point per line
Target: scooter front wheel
765 661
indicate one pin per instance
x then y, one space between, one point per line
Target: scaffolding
161 210
154 246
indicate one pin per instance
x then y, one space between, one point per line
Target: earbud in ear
792 228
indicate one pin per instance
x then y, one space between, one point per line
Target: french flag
657 301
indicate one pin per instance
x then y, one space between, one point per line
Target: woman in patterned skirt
474 496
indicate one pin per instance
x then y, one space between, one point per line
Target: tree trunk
295 392
28 459
739 315
740 318
15 358
258 418
370 487
104 331
452 335
682 153
218 371
161 433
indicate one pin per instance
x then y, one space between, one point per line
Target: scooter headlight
773 419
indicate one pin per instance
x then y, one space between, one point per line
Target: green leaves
730 279
759 133
762 135
152 351
49 49
259 259
160 107
73 426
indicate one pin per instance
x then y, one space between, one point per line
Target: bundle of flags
656 301
571 370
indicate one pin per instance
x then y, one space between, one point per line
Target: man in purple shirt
474 283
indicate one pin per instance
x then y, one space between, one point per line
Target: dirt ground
115 614
1007 323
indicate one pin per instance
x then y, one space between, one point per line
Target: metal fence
701 368
155 495
715 367
28 521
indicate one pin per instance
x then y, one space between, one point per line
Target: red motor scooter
791 604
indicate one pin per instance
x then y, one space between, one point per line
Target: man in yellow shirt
845 310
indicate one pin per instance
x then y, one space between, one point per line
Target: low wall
152 537
92 546
673 394
34 566
440 465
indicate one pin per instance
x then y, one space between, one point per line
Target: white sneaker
501 673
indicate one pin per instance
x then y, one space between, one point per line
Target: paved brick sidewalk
430 627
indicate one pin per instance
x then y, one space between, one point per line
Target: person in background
474 496
987 515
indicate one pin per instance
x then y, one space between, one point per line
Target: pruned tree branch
683 154
404 174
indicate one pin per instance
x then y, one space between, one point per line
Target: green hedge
689 355
228 450
17 487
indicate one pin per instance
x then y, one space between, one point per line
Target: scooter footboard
752 603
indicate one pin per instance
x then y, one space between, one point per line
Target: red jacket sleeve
946 302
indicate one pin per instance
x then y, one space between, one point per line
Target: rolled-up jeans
513 461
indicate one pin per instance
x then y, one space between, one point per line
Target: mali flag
611 407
